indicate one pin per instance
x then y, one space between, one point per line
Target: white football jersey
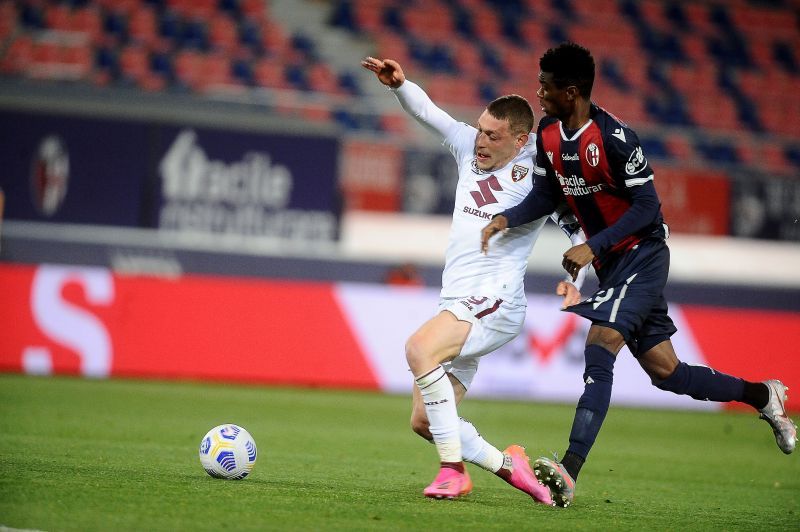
479 196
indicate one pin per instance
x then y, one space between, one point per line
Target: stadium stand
704 79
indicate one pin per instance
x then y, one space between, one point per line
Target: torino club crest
518 173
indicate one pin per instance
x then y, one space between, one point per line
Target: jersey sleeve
418 104
626 157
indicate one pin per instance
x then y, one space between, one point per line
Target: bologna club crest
593 154
518 173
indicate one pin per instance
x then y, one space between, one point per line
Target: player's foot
449 484
775 414
522 476
553 475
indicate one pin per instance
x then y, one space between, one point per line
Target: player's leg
439 340
629 290
494 323
602 345
703 383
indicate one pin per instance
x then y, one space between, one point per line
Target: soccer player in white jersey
482 304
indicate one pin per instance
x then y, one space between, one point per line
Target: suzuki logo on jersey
518 173
593 154
636 162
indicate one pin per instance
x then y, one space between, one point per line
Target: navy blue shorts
631 297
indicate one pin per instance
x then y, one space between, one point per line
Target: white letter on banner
68 325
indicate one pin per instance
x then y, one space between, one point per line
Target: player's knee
415 353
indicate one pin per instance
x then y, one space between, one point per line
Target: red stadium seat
653 13
214 70
270 73
679 147
223 33
87 20
57 17
256 9
396 123
142 26
321 78
187 68
134 62
18 56
368 16
8 20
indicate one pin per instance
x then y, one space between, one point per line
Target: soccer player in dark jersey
595 162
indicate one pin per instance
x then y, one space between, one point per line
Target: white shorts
494 323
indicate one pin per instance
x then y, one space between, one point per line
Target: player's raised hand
570 292
576 258
498 223
388 71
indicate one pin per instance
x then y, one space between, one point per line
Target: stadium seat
270 73
17 56
222 33
133 63
321 78
142 26
214 71
87 20
57 17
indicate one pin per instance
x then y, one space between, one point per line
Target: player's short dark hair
516 110
570 64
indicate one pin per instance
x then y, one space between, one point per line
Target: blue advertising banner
766 207
67 169
72 170
226 182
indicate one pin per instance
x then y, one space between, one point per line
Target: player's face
555 101
495 144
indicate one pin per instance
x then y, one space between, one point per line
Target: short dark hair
570 64
516 110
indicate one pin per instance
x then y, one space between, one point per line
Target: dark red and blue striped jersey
597 170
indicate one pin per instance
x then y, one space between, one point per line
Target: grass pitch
88 455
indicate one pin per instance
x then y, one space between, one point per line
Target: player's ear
572 92
522 140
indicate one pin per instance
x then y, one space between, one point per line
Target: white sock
478 451
440 405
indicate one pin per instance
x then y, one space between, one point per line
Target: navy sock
593 404
704 384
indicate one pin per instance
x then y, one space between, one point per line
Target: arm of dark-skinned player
499 223
576 258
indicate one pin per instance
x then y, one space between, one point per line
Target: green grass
122 455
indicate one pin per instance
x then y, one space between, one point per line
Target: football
228 451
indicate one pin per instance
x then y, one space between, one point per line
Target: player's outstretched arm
387 71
